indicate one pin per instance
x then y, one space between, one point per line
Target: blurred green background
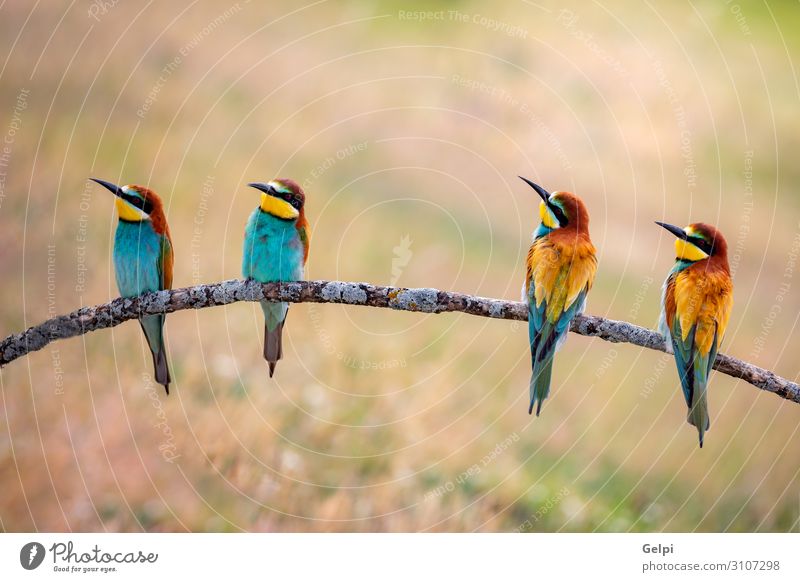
407 131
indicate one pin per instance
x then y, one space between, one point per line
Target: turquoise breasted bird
696 307
276 241
143 260
561 267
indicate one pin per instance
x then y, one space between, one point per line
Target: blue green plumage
545 338
694 368
138 256
560 270
273 251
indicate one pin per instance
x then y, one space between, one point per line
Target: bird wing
684 351
166 261
697 308
559 277
667 311
703 300
249 245
304 231
559 272
547 335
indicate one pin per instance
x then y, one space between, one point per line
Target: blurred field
408 135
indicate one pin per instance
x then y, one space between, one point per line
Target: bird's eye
560 216
706 246
134 200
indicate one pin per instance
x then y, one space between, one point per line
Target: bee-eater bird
561 266
696 307
276 241
143 260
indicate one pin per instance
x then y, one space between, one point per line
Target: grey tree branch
422 300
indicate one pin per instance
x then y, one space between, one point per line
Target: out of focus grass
379 420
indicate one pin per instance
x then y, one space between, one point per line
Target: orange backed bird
561 267
143 260
276 241
696 307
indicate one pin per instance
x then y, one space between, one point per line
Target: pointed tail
545 337
540 384
698 411
274 318
153 327
273 348
161 368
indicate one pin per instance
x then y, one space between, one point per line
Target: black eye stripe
702 244
144 205
560 216
293 200
134 200
280 194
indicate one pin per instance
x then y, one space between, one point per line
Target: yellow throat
278 207
686 251
129 212
548 218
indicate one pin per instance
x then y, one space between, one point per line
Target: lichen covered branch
423 300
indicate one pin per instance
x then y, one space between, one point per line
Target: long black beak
539 190
115 190
265 188
679 232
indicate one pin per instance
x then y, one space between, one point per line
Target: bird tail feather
162 369
153 327
698 410
540 384
274 318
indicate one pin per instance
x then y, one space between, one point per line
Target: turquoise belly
137 248
273 250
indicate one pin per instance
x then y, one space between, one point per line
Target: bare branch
422 300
